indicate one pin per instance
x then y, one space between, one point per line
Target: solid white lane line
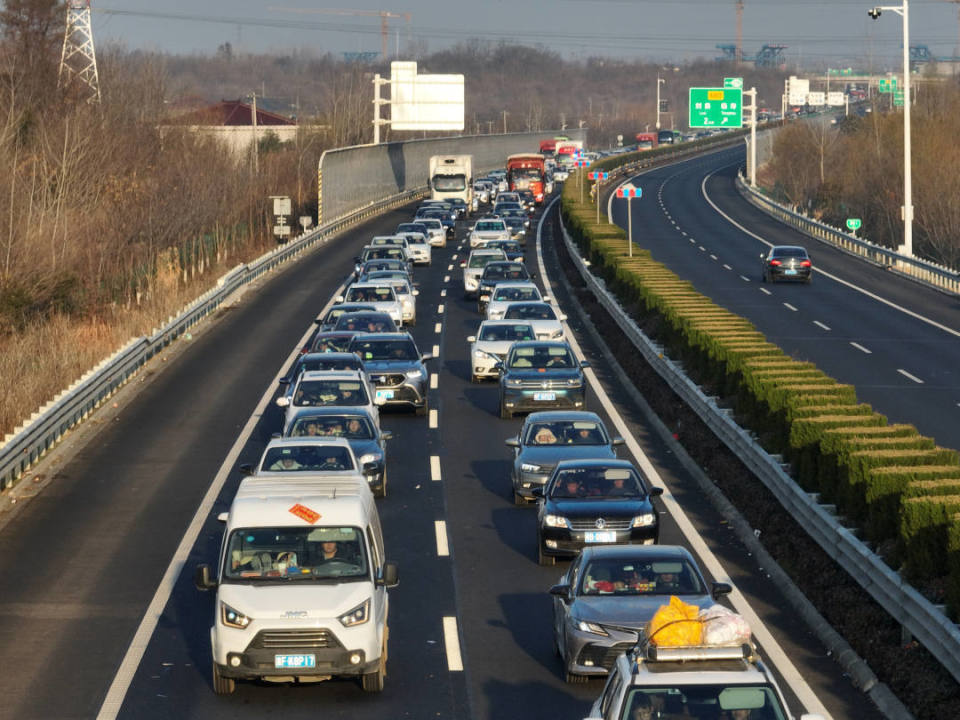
443 545
436 351
434 381
727 267
861 348
438 328
788 306
821 325
433 419
872 296
907 375
435 468
765 291
138 646
773 649
446 278
451 641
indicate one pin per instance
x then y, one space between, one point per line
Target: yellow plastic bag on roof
675 625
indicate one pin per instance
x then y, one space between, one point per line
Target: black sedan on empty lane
787 262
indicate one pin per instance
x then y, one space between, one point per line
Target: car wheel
518 499
382 492
423 409
504 413
373 682
475 379
222 685
573 678
808 279
411 322
543 558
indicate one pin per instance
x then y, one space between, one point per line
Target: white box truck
451 178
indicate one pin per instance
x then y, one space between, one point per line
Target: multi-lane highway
897 341
99 614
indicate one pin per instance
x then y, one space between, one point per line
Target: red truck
525 172
548 147
646 141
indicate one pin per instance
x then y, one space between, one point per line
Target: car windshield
384 264
596 483
384 251
626 576
365 322
504 333
509 246
402 349
509 271
346 362
389 241
375 293
330 343
489 226
306 458
566 432
703 702
352 427
479 261
330 392
789 252
296 553
412 227
337 312
536 311
513 294
541 357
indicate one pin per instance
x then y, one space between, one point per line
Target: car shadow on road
494 475
533 700
517 529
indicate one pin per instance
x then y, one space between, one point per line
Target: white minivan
301 585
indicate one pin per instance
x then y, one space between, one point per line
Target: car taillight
805 263
775 262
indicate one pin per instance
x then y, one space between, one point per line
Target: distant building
231 121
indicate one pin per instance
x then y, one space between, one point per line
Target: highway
897 341
87 562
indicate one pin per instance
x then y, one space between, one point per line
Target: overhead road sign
817 99
716 107
888 85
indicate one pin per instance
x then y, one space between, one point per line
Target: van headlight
644 520
233 618
557 521
359 615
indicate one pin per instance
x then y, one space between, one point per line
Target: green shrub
924 523
953 567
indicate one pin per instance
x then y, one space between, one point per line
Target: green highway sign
888 85
854 223
716 107
733 83
898 97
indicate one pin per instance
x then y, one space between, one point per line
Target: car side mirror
563 318
561 590
246 469
386 434
369 468
284 381
318 320
547 299
537 492
222 517
426 357
338 299
585 364
513 442
389 575
655 492
202 579
533 276
617 440
357 260
283 401
720 589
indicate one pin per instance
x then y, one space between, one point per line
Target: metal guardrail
44 429
930 273
924 620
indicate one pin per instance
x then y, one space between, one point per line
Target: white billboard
836 99
817 99
797 90
424 102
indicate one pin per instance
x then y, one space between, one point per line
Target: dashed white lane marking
443 546
446 278
449 267
745 278
821 325
454 256
765 291
435 468
683 232
440 309
862 349
438 328
436 351
451 641
907 375
788 306
433 419
727 267
713 257
443 293
693 241
702 248
434 381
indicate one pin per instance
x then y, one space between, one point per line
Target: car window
306 458
339 363
295 553
530 312
352 427
514 294
503 333
625 576
597 482
540 356
479 261
330 392
402 349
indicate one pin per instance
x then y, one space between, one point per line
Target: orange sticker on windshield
305 513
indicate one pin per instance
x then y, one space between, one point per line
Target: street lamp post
660 81
904 12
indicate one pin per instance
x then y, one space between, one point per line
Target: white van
301 585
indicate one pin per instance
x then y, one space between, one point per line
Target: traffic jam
304 529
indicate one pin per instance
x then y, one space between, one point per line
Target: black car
495 272
594 502
329 341
511 248
541 375
787 262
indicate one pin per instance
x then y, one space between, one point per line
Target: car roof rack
646 651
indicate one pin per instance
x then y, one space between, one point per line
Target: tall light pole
660 82
904 12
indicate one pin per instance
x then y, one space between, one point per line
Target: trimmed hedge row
899 487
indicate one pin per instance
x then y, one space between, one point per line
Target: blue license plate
607 536
545 396
789 272
296 662
384 394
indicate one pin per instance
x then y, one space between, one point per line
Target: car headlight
417 374
573 382
359 615
556 334
233 618
644 520
514 382
557 521
370 458
529 467
590 627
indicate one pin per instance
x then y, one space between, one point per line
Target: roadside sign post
581 164
598 178
629 192
853 224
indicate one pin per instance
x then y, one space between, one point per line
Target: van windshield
296 553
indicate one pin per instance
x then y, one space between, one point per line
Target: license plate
544 396
294 661
384 394
606 536
789 272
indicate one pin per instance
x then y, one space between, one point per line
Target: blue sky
834 33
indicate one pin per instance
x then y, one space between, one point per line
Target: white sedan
381 298
491 344
486 230
505 293
542 316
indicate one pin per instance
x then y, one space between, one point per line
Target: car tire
411 322
475 379
382 492
504 413
573 678
423 409
808 279
518 499
222 685
543 558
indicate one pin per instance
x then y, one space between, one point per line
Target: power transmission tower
78 60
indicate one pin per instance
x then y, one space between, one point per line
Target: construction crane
739 57
384 16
